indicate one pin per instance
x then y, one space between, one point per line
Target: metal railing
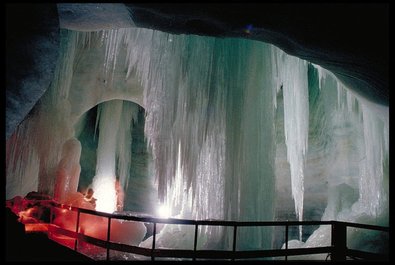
337 250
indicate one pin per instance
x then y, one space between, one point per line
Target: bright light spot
164 211
105 194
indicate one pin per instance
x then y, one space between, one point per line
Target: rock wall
32 47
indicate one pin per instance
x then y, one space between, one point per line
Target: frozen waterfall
213 126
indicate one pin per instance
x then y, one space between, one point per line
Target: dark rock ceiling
352 40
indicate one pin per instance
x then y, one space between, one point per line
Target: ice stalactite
53 114
292 73
210 125
22 162
364 127
129 116
373 182
210 122
356 157
112 41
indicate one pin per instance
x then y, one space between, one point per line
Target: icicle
358 185
293 72
371 182
22 162
124 143
64 73
374 141
322 74
186 107
210 122
112 40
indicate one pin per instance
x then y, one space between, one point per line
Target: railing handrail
192 222
337 248
365 226
189 253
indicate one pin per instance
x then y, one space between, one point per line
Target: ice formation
114 152
68 170
212 126
355 137
292 73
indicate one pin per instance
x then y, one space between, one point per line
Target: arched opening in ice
132 159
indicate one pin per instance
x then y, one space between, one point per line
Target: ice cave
195 123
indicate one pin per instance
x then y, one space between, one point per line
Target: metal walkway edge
338 250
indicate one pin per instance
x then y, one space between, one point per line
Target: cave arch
140 192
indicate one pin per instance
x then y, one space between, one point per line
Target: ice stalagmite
104 180
68 170
114 152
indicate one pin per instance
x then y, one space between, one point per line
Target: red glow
39 227
63 240
125 232
36 214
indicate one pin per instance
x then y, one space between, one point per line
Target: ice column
109 114
115 119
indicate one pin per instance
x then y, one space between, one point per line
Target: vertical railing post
195 242
153 243
76 228
234 241
339 241
50 214
108 238
286 241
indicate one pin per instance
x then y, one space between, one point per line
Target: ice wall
210 122
210 125
359 131
23 163
354 140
